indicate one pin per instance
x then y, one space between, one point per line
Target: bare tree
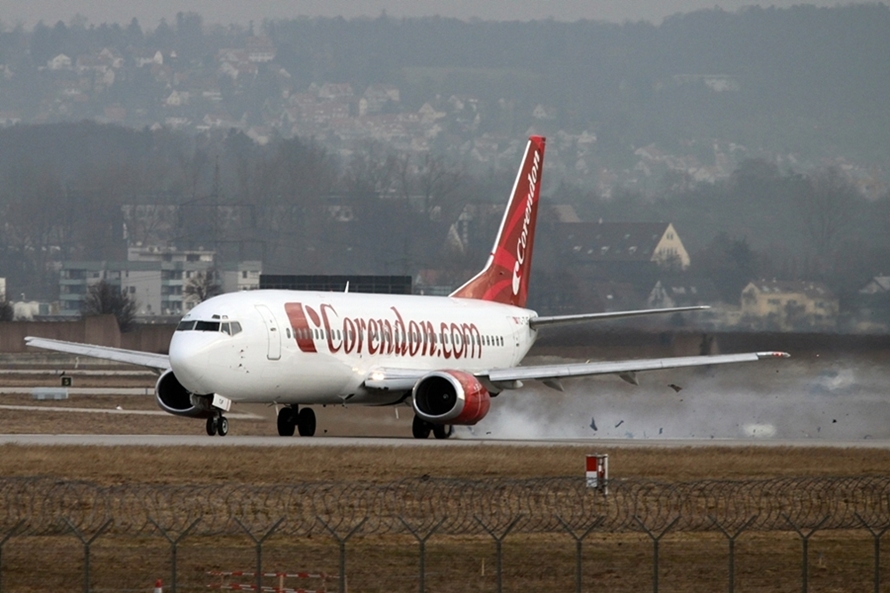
437 182
828 209
6 311
202 286
106 299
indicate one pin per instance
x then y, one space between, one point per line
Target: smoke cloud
796 399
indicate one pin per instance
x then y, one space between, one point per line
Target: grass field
771 561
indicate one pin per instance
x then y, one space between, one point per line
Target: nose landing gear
218 424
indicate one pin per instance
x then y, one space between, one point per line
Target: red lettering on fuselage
384 335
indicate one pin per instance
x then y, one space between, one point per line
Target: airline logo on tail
523 246
505 277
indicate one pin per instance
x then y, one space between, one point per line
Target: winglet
766 355
505 277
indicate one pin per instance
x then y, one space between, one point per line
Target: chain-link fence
425 508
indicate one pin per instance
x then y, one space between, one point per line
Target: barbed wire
45 506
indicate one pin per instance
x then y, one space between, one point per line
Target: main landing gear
421 429
291 419
217 424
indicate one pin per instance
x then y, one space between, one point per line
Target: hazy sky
241 11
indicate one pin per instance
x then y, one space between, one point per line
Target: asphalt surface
258 441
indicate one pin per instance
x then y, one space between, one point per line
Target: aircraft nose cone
190 362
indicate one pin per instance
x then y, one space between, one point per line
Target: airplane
447 355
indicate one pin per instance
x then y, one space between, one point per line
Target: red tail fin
505 277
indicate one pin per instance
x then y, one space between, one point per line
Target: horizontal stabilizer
536 322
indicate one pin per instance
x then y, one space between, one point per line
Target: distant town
183 76
176 162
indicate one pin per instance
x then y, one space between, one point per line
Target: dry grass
840 561
617 563
169 465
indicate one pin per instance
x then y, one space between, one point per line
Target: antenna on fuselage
347 287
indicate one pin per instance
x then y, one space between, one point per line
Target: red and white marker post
598 472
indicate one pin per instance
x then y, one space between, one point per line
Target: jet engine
175 399
451 397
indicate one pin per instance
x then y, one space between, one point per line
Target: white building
156 277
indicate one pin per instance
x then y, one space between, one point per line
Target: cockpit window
226 327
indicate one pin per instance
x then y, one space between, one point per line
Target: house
789 304
871 305
877 285
260 50
544 112
683 292
60 62
624 242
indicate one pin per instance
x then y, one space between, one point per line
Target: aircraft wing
391 379
625 368
144 359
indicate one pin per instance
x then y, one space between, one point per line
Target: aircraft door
517 340
273 333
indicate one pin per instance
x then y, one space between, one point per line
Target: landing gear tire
287 421
420 428
306 422
217 425
442 431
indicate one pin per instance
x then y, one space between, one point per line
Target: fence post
259 548
498 542
421 540
342 541
876 535
655 540
174 543
579 540
805 543
731 537
86 549
3 541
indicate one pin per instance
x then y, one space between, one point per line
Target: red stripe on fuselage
300 325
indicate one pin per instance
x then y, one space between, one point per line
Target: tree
106 299
6 311
829 208
203 286
730 263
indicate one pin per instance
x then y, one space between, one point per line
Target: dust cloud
796 399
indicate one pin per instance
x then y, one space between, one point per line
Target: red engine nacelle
172 397
451 397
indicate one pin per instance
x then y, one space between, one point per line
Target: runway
594 445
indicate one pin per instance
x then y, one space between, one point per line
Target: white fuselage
320 347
